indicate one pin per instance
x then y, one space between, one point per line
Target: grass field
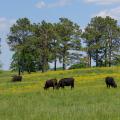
89 100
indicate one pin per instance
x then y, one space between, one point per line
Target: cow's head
58 85
115 85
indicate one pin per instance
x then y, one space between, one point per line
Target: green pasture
89 100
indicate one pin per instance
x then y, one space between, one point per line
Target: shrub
79 65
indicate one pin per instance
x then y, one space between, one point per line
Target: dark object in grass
50 83
66 82
16 78
110 82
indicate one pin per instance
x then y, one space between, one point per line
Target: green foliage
44 34
35 45
19 34
70 39
82 64
77 66
102 39
38 44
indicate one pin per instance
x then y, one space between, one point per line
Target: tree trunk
96 52
29 71
19 71
64 65
45 53
44 64
105 57
110 58
97 58
43 67
110 51
43 70
89 59
55 64
19 67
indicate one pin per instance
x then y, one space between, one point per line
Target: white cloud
59 3
114 13
5 24
41 4
6 55
102 2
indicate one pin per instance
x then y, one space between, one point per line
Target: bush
79 65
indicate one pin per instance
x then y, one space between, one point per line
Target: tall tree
102 40
88 37
55 45
17 37
70 39
43 33
112 39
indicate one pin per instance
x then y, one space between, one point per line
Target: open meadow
89 100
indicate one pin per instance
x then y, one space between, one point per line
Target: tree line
35 45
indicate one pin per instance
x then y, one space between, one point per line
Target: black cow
110 82
66 82
16 78
50 83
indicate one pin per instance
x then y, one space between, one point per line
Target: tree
102 39
55 45
43 33
70 39
112 39
92 37
17 37
88 37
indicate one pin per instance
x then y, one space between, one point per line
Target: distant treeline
35 45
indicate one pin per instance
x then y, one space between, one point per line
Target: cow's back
109 80
66 82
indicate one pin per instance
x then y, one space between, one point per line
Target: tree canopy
35 45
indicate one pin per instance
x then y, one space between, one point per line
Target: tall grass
89 100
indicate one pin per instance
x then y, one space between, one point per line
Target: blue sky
79 11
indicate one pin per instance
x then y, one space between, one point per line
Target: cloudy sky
79 11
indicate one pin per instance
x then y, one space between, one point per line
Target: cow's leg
62 85
72 86
45 88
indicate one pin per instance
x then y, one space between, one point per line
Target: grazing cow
66 82
110 82
16 78
50 83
